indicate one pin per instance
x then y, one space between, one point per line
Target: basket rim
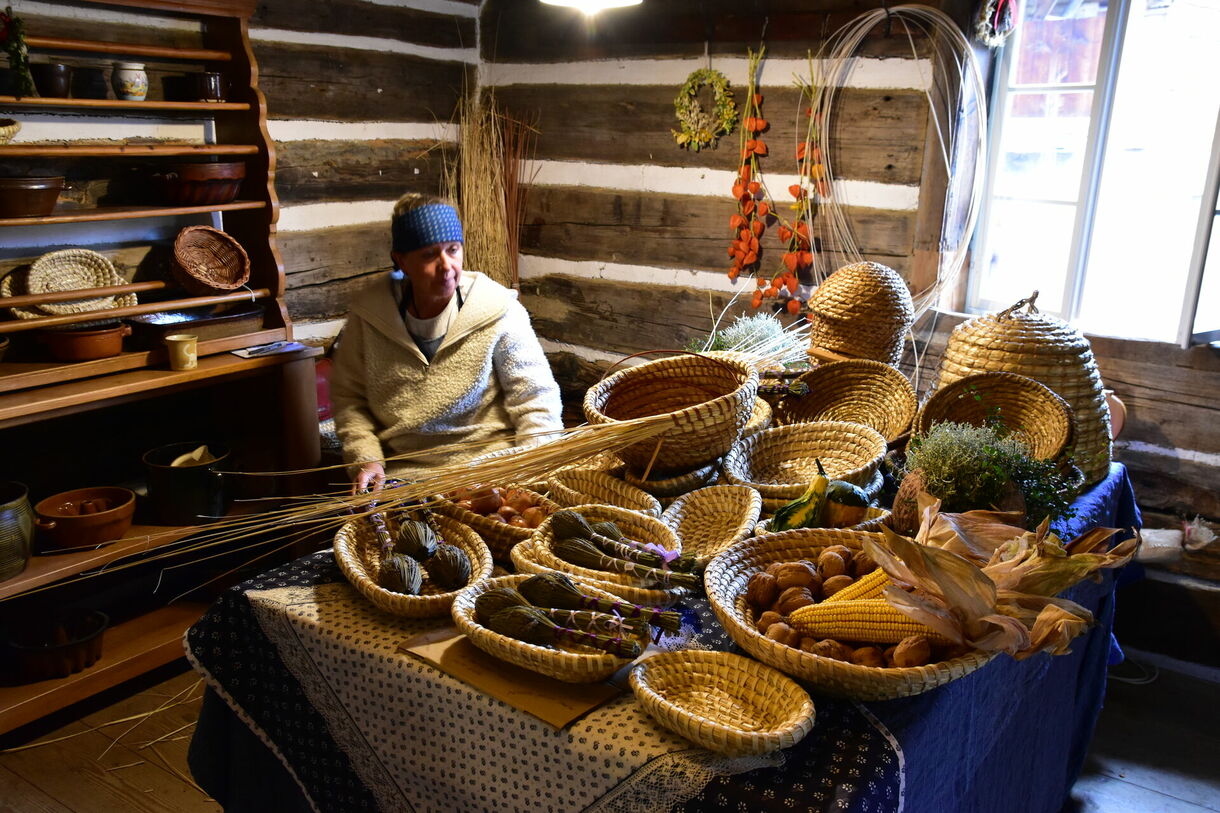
735 461
602 388
646 503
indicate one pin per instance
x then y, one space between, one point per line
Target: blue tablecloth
1011 736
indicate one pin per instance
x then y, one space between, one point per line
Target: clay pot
84 517
29 197
129 80
90 83
51 81
201 184
85 345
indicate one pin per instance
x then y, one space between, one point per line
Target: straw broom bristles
478 187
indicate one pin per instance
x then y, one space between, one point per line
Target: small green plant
971 467
12 42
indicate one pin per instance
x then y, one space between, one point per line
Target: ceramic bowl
84 517
29 197
85 345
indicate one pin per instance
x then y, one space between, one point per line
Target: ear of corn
868 586
869 620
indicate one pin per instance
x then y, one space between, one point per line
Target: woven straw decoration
710 519
66 270
1032 411
571 665
208 261
859 391
358 555
709 399
760 418
677 485
586 487
862 310
723 702
8 130
499 536
1049 351
726 578
779 462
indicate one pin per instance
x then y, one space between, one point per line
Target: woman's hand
370 478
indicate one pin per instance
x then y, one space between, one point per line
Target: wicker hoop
858 391
1021 405
723 702
726 578
67 270
588 487
862 310
208 261
709 399
571 665
499 536
358 555
779 462
711 519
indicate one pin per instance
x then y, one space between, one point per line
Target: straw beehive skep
862 310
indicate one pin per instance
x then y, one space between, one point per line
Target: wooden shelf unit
93 105
126 150
102 213
127 49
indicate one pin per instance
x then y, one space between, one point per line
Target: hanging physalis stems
750 221
798 256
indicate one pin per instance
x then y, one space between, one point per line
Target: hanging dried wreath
699 128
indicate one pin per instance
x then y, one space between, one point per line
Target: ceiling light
591 7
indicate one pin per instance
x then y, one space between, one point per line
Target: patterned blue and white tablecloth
333 719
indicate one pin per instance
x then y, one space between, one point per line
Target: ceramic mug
209 87
130 81
183 351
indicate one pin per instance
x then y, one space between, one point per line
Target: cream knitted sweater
489 380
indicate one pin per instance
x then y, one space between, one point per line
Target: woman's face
434 270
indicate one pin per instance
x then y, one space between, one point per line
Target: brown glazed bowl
56 644
85 345
84 517
202 184
29 197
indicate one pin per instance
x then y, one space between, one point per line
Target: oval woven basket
1049 351
710 519
723 702
358 556
208 261
1021 405
69 269
862 310
571 665
726 578
499 536
874 518
709 399
779 462
678 484
587 487
858 391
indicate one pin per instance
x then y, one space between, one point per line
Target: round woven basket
862 310
499 536
8 130
535 555
779 462
1030 410
69 269
726 578
571 665
859 391
723 702
358 555
709 399
1049 351
208 261
586 487
709 520
677 485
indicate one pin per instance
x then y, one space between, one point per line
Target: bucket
191 493
16 528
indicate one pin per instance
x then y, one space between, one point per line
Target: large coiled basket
859 391
781 461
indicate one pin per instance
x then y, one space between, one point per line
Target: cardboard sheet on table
554 702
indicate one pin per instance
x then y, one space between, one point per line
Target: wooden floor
1154 752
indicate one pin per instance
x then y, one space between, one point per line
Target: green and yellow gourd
806 510
846 505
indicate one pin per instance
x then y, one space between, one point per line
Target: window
1104 138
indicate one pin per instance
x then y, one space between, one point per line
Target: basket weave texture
726 578
207 261
571 665
859 391
8 130
760 418
1049 351
535 555
499 536
709 399
586 487
710 519
862 310
723 702
1031 411
69 269
358 555
779 462
677 485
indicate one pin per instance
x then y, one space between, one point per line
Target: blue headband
426 226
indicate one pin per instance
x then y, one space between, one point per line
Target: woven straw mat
67 270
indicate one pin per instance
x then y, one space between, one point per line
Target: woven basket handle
1029 300
610 369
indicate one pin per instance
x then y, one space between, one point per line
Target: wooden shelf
128 213
151 51
128 650
128 150
118 104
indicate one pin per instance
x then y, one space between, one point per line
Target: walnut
913 651
862 564
830 648
762 590
793 599
831 563
796 574
868 656
783 634
832 586
767 619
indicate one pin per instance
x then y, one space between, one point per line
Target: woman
432 355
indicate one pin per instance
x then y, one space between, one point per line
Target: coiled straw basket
711 519
859 391
499 536
586 487
779 462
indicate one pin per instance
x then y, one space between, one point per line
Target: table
312 708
